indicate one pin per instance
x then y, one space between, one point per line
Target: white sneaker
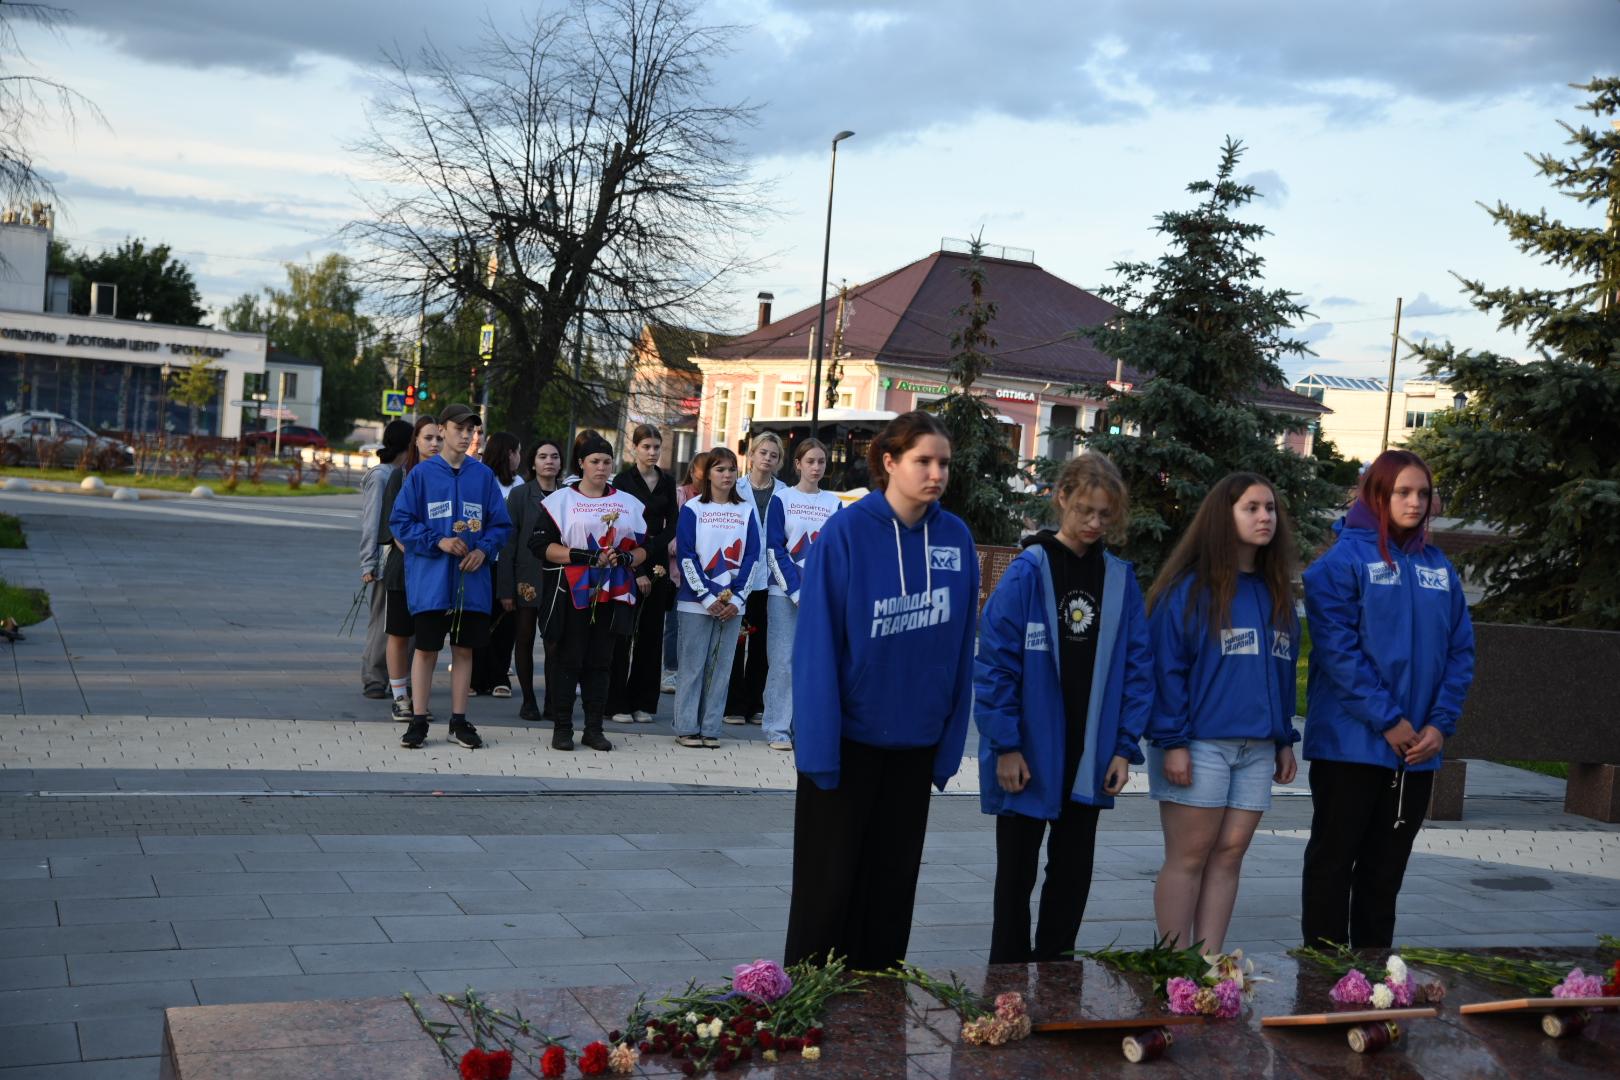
735 720
667 686
623 718
780 744
642 717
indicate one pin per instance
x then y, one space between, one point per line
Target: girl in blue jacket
883 663
1063 687
1225 642
1392 656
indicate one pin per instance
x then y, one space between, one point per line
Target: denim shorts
1225 772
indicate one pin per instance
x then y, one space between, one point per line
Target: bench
1541 694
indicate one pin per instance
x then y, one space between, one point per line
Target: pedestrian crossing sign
393 403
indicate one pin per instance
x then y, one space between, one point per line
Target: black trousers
746 696
1357 854
856 853
493 661
581 655
1069 853
638 658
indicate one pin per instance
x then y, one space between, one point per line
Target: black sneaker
402 710
562 739
415 735
595 740
530 712
464 734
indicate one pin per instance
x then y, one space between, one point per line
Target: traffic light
422 393
410 396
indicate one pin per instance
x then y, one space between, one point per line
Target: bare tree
26 101
574 168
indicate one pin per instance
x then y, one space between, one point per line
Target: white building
1356 423
111 374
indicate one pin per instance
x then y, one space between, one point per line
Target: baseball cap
461 415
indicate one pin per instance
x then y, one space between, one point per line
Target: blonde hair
1091 471
760 440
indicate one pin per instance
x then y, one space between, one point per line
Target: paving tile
126 1069
570 843
336 905
100 937
85 865
757 943
477 927
612 923
334 959
385 881
265 861
398 843
628 881
707 877
25 972
766 918
18 869
610 950
82 1003
541 900
461 861
89 886
227 933
659 975
124 1037
693 899
27 913
185 845
37 1044
525 978
162 909
91 968
233 990
704 841
250 884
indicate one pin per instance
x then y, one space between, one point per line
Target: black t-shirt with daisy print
1077 581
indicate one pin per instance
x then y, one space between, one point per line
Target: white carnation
1396 969
1382 996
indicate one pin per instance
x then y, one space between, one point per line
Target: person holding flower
745 702
1225 645
451 521
793 521
888 643
717 543
638 658
526 585
1392 657
596 534
1063 688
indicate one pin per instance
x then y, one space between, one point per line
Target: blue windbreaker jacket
1018 693
1386 642
883 650
1235 684
434 497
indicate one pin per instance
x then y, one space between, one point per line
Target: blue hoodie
433 498
1019 692
1386 642
883 652
1235 684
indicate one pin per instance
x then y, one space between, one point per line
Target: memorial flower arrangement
1192 982
985 1022
496 1047
1397 988
1540 978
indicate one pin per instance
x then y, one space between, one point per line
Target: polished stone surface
889 1031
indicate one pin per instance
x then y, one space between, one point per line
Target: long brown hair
898 436
413 456
717 456
1378 484
1208 551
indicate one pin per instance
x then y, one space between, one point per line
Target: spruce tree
984 465
1535 454
1209 337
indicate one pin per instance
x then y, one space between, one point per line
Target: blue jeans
1225 772
782 618
707 647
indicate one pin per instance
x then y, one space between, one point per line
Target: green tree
983 463
1536 452
151 284
1200 323
1338 471
317 317
195 387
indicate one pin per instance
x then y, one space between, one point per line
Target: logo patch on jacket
439 509
1280 644
945 558
472 511
900 614
1381 573
1242 641
1432 578
1035 638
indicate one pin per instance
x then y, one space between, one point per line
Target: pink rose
763 981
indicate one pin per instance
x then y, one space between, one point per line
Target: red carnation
1612 988
742 1026
645 1047
554 1062
689 1069
812 1037
679 1051
594 1060
473 1065
767 1041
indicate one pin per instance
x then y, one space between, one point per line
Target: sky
1374 132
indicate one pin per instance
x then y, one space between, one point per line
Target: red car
293 437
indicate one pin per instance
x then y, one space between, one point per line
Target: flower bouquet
1396 989
985 1022
496 1039
1192 983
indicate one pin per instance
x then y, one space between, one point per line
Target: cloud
1337 301
1315 332
311 214
1424 336
1269 186
1420 306
887 68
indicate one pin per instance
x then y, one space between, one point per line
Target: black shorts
470 630
397 617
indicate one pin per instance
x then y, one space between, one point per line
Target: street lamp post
821 315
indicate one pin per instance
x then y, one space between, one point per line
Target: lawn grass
27 606
11 533
181 483
1302 668
1560 769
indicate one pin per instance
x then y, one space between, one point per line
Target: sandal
696 742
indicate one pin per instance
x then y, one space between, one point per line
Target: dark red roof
904 318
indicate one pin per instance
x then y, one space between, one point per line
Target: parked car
33 436
293 437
